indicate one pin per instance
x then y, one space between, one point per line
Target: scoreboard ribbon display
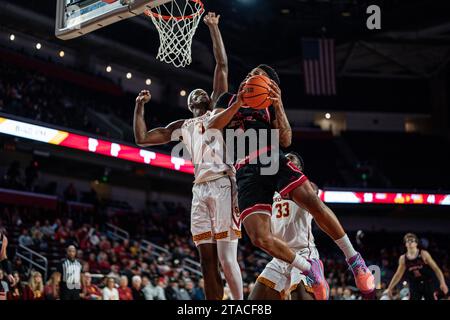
348 197
93 145
138 155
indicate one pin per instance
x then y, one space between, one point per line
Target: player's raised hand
211 19
143 97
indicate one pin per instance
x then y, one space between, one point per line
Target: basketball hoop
176 23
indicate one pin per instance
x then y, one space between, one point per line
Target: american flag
319 66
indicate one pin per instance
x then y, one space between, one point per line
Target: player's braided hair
270 72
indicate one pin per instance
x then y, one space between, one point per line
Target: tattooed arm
281 122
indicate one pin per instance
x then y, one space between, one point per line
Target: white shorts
215 211
283 277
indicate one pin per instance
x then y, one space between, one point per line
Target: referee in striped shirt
70 270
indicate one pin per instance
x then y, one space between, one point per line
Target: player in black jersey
256 189
419 267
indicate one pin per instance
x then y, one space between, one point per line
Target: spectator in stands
89 290
16 290
103 263
147 288
189 287
172 291
35 288
51 289
25 239
348 294
160 290
183 294
37 236
4 286
134 248
114 273
118 249
110 292
47 230
61 234
199 291
92 261
104 244
136 289
18 266
124 291
93 237
56 225
72 239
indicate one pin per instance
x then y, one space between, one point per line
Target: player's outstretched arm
222 117
281 122
433 265
398 274
221 71
157 136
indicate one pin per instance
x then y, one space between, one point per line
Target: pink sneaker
364 279
316 280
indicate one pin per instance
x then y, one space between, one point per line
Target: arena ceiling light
38 46
62 54
148 82
183 93
129 75
327 116
108 69
12 37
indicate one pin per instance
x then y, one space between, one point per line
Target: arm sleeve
224 101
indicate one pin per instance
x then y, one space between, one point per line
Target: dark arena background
366 89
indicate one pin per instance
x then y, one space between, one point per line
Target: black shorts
256 191
421 289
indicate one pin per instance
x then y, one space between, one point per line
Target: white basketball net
176 23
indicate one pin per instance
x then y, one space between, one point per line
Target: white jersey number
282 210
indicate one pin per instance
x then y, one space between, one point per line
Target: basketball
256 92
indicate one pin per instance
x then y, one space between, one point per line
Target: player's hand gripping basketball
241 92
275 94
211 19
143 97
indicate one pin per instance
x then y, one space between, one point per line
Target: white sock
346 247
227 252
301 263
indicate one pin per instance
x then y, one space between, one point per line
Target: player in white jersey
214 224
292 224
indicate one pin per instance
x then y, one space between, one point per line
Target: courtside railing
116 233
154 249
192 266
34 259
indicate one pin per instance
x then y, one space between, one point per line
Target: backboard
75 18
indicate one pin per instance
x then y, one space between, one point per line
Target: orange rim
149 13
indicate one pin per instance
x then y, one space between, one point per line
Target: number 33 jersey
292 224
